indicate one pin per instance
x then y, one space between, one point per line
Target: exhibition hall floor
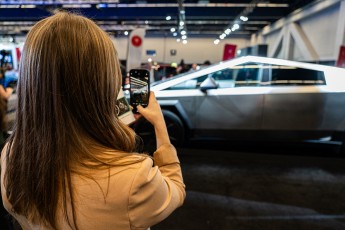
279 188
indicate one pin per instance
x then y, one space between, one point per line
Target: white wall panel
340 34
197 50
157 44
321 30
297 54
274 42
121 46
317 29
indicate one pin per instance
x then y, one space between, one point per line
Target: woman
70 162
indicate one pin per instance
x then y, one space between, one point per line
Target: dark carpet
239 190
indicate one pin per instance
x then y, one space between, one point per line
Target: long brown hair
69 78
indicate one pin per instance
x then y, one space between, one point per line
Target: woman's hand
152 112
154 115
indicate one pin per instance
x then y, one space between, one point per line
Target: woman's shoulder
116 158
135 158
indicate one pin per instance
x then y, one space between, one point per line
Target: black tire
146 131
175 128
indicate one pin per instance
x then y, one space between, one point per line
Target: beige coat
138 195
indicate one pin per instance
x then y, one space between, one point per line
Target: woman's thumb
140 108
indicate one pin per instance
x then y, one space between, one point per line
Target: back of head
69 78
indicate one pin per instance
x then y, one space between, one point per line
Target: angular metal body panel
310 107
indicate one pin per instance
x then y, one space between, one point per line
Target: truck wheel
175 128
146 131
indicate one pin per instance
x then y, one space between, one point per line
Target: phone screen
139 87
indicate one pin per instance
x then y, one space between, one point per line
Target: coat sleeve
156 191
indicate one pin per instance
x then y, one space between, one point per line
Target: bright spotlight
243 18
235 27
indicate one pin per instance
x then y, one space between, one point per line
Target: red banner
229 52
135 48
18 54
341 57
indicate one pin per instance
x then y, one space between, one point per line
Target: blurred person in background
6 89
207 63
182 67
194 67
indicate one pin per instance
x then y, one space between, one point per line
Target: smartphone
139 81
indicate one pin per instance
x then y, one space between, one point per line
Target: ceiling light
168 18
101 5
235 27
184 41
28 6
175 34
216 41
172 29
9 6
126 32
181 23
76 6
243 18
184 37
183 32
146 22
178 40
